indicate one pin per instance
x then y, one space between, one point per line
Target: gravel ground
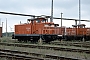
52 52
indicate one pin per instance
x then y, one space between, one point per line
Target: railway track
49 47
29 56
71 44
18 55
46 49
76 44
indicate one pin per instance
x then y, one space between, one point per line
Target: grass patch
7 39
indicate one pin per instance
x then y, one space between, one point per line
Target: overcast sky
69 8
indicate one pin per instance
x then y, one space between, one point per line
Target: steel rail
47 47
25 54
